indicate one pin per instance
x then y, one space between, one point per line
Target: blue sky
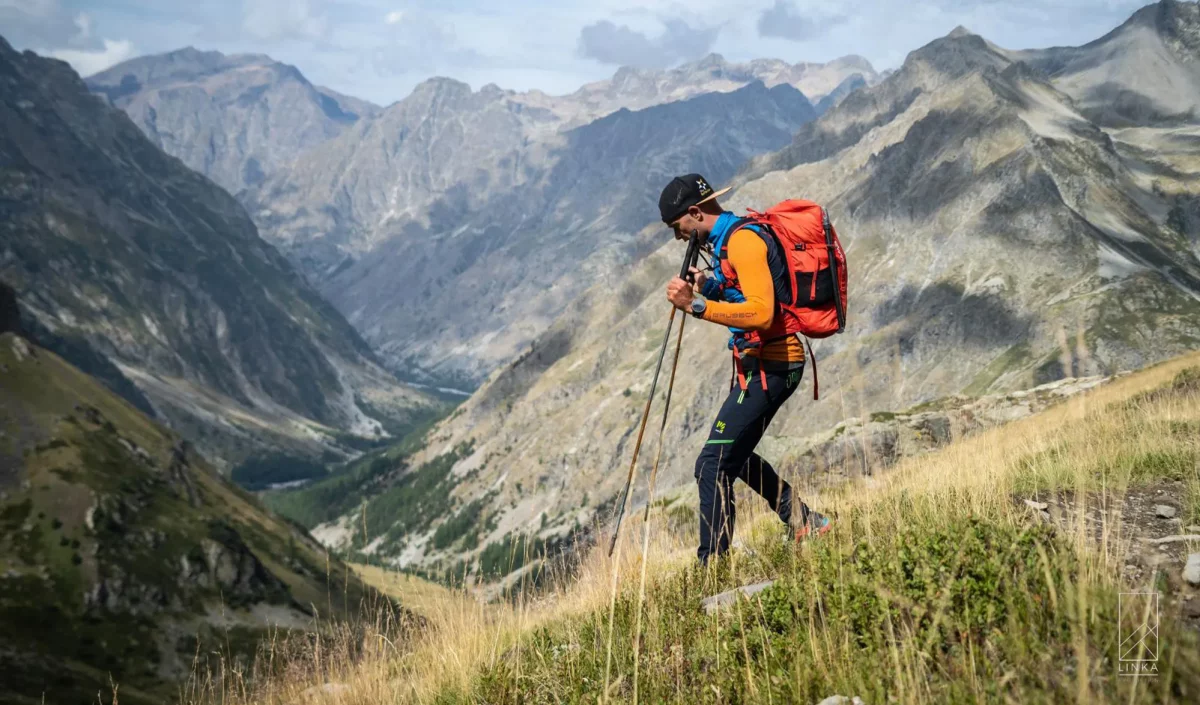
380 49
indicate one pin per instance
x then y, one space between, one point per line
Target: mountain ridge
1144 71
234 118
161 271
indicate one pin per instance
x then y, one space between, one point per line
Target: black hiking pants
729 455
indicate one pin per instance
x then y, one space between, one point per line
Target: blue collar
721 231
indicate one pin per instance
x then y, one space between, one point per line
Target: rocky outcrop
10 314
860 447
179 475
226 564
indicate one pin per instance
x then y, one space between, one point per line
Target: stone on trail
724 599
1191 571
841 700
1164 511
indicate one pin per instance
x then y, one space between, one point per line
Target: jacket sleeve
748 256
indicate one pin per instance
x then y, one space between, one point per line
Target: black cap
684 192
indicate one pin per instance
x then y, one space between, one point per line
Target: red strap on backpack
813 356
741 373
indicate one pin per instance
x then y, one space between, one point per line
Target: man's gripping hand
680 294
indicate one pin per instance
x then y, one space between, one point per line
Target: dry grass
547 648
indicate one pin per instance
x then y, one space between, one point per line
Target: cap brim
714 194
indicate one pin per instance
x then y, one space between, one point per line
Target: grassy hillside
124 557
940 583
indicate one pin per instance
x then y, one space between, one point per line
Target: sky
380 49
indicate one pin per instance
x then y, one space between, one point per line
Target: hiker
750 303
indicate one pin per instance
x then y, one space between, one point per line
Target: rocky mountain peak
441 87
712 60
957 54
1144 71
492 89
628 75
233 118
855 62
187 64
1175 19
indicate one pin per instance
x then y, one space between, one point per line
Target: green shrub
458 525
968 608
510 553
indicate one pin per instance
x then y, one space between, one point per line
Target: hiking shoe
817 525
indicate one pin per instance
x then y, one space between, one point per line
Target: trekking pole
637 628
689 261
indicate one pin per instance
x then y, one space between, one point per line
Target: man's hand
699 277
680 294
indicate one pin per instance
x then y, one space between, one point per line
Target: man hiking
749 303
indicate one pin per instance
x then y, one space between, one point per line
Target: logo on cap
705 189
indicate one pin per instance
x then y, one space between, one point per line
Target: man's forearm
748 255
753 314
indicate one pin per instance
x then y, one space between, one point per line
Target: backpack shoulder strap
776 259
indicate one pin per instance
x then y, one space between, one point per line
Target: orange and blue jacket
747 253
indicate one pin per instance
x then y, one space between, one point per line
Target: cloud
88 62
378 49
37 23
274 20
419 41
50 29
785 21
609 43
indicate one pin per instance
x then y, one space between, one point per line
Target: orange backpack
816 266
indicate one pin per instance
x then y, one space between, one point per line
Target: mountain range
1000 235
113 244
369 209
484 233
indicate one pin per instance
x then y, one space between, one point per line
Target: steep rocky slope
234 119
452 228
997 239
108 239
123 555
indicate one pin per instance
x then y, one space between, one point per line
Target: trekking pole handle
690 259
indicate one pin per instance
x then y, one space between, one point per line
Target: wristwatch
699 303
